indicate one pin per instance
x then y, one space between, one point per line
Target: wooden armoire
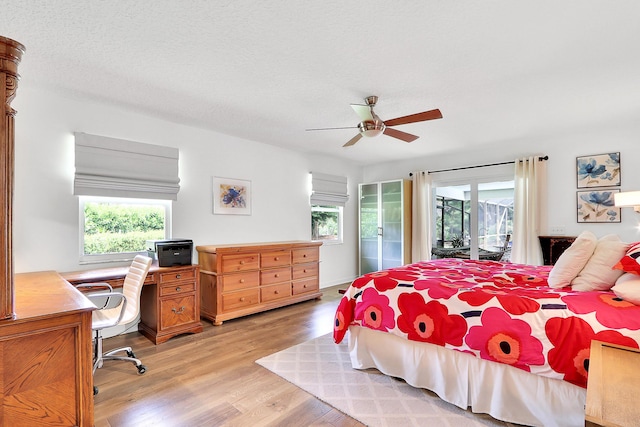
46 376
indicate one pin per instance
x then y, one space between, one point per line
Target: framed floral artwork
597 206
231 196
601 170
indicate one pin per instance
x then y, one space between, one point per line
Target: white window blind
328 189
113 167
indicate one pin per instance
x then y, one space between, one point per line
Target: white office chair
115 308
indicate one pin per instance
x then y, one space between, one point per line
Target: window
328 197
115 229
326 223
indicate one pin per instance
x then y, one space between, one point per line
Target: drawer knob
241 262
178 276
242 299
178 288
304 286
276 275
304 255
179 310
241 280
276 292
276 259
304 270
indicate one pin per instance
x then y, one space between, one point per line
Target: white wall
45 234
562 149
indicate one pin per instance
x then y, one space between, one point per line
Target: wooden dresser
237 280
46 355
170 299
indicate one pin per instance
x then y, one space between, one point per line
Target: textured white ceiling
500 71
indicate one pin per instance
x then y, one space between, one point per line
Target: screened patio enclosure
454 219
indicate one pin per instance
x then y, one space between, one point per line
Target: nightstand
553 246
613 386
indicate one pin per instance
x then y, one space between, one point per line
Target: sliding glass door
473 220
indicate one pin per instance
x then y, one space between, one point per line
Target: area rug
323 369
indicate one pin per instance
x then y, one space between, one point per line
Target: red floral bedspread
497 311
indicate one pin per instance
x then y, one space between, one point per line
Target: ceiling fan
371 125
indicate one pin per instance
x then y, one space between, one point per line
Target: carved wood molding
10 55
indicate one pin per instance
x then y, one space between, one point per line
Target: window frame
121 256
330 208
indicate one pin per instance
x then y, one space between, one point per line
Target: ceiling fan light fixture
371 128
371 125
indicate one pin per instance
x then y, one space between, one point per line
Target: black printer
170 252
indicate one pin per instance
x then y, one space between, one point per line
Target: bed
490 336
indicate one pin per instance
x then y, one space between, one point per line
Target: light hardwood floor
211 378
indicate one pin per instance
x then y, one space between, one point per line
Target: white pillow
627 287
599 274
572 260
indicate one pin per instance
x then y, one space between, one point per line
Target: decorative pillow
627 287
630 262
572 260
598 274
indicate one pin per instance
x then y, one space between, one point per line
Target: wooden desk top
97 275
45 294
112 273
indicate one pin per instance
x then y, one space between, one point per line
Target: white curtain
421 217
529 210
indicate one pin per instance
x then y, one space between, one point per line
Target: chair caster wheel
95 390
142 369
130 354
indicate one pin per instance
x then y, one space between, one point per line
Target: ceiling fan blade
412 118
395 133
353 140
363 111
347 127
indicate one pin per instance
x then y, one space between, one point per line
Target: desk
170 299
45 355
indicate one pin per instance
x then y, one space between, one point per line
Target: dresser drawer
275 292
237 281
177 288
243 262
304 270
303 286
275 275
177 311
240 299
303 255
275 259
173 276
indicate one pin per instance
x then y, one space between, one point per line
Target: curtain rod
541 158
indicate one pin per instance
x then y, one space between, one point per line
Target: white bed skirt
506 393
